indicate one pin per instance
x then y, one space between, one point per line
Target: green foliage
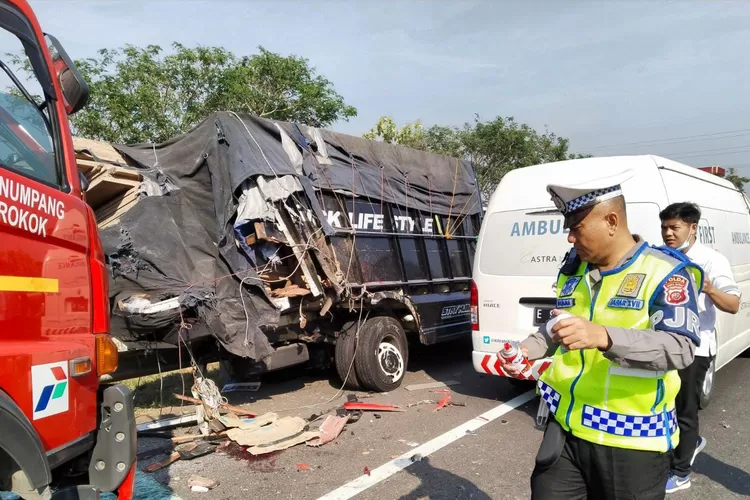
143 95
495 147
736 179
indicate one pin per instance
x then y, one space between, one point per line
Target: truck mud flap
115 450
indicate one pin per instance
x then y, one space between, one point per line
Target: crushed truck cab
64 435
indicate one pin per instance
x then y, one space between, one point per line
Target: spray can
512 354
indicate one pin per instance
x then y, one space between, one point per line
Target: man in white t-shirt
679 227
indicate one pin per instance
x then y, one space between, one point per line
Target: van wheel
707 388
382 355
346 346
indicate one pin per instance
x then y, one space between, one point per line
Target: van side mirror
84 182
75 90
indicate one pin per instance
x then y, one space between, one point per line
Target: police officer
612 384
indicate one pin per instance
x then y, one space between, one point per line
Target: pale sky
601 73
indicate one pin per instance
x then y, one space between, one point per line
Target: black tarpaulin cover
181 243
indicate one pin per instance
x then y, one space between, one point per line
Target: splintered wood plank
105 188
118 206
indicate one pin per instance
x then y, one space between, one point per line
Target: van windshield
523 243
26 144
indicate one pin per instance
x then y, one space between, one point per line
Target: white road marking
388 469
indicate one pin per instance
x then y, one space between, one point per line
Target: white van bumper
488 362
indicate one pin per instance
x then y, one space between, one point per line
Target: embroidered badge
570 286
625 303
566 303
631 285
676 290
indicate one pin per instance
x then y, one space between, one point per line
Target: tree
142 95
494 147
736 179
411 135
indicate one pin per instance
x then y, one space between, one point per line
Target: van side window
26 144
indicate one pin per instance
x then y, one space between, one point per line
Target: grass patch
156 391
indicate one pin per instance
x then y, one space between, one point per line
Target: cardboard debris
282 445
329 430
433 385
276 431
248 424
88 149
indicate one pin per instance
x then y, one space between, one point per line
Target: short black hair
686 212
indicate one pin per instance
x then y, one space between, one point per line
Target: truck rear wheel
346 346
382 355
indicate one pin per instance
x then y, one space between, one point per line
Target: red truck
63 434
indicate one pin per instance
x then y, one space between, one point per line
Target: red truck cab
62 433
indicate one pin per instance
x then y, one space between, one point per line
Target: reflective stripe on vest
595 399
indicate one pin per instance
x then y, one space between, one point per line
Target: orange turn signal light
106 355
80 366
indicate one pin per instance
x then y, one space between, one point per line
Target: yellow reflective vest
600 401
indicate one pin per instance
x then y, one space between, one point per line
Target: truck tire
383 354
346 345
707 387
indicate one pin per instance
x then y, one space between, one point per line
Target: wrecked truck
266 244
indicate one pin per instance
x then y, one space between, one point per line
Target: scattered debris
194 451
726 425
408 443
469 432
282 444
366 470
365 452
241 387
224 406
187 439
377 415
202 482
416 457
166 423
370 407
503 422
432 385
175 456
248 424
483 418
329 430
423 402
274 432
443 402
199 489
302 467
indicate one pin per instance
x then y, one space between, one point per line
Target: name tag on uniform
623 303
565 303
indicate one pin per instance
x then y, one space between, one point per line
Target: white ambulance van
522 243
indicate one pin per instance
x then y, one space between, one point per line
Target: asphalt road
492 461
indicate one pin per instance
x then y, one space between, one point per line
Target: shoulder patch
570 286
676 290
631 285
